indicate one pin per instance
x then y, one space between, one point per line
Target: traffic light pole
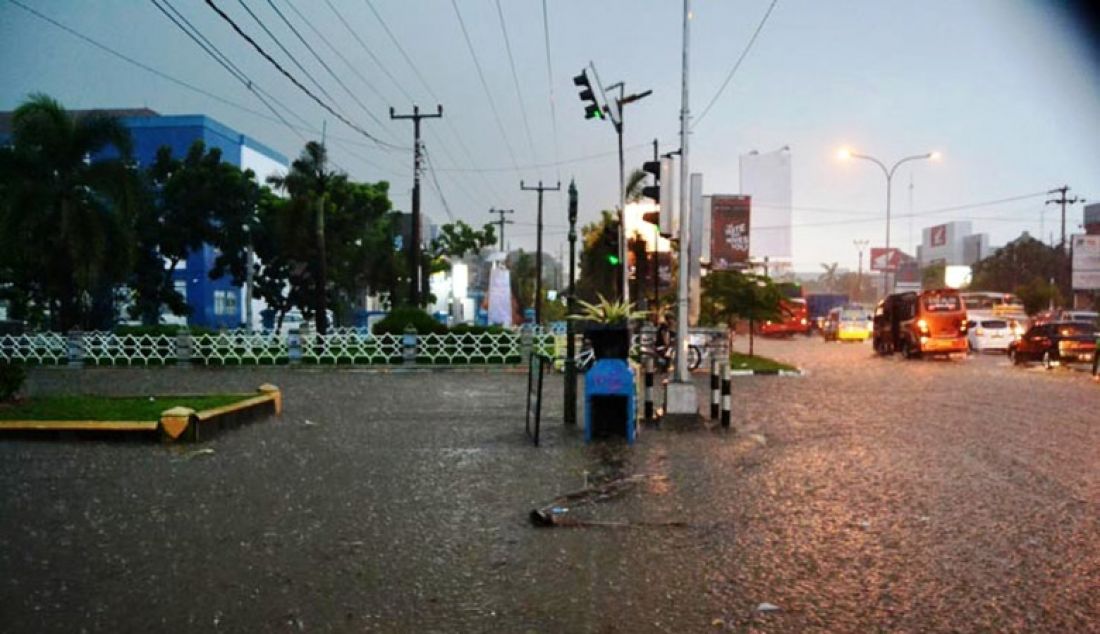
538 247
570 345
415 281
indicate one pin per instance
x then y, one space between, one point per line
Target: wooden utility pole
502 222
1063 201
416 282
538 246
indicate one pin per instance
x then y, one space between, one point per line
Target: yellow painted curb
61 425
175 421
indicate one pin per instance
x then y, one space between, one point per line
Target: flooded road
870 494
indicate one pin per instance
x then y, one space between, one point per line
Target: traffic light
592 110
610 240
653 191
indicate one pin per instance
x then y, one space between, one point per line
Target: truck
818 306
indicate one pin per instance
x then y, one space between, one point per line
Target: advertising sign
884 259
1086 262
729 237
938 236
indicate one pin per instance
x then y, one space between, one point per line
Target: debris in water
205 451
768 607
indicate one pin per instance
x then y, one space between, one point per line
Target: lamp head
844 154
935 156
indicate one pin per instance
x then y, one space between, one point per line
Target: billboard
1086 262
885 259
766 178
937 236
729 236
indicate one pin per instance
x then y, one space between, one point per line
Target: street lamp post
889 174
860 246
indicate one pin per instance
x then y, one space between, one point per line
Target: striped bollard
649 389
726 395
714 369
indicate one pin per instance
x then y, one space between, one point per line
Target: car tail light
978 331
922 325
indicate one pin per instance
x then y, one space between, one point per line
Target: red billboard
885 259
729 232
938 236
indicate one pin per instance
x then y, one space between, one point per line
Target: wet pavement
870 494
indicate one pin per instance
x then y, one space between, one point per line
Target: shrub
11 380
395 322
161 329
471 329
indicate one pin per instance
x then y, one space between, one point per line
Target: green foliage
607 312
399 318
463 329
1025 266
157 330
740 361
12 378
730 295
598 276
65 223
457 239
829 280
933 276
108 408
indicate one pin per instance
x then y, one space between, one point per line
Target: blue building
214 303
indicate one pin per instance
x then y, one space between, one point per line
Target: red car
1055 342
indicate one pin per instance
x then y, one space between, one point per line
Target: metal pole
622 212
248 283
886 272
681 374
570 346
538 248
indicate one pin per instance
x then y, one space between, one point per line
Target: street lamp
845 154
860 246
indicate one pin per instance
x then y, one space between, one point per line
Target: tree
197 200
829 279
65 221
1025 267
598 275
933 276
731 295
634 184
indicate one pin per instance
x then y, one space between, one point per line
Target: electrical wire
438 189
580 159
328 108
515 81
737 64
550 82
484 85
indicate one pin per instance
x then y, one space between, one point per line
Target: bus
794 314
916 324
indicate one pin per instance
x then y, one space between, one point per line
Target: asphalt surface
869 495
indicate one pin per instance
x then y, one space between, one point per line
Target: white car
989 333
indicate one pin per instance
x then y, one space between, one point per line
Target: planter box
609 342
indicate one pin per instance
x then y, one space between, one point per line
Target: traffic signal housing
591 110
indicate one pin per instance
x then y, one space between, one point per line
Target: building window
180 287
225 302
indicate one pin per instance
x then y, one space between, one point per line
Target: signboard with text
938 236
729 235
1086 262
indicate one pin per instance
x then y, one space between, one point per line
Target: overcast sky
1007 90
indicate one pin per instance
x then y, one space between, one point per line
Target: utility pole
538 246
414 248
322 264
502 222
860 245
1063 201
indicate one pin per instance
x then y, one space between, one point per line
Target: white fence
340 347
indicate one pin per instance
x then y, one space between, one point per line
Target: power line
289 55
370 53
347 63
550 81
484 84
579 159
438 189
259 49
420 77
737 64
515 81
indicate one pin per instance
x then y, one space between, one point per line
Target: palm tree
64 217
830 278
634 184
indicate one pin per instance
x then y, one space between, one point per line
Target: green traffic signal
613 259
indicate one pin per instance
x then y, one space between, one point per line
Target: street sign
885 259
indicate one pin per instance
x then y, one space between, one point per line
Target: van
916 324
846 323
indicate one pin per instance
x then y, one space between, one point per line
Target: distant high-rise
767 178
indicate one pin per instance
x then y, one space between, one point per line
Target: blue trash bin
609 401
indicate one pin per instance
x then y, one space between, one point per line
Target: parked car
989 334
1055 343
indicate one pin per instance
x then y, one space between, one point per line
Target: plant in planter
608 326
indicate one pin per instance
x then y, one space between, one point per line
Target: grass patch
106 408
740 361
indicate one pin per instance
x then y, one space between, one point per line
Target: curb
798 372
173 423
